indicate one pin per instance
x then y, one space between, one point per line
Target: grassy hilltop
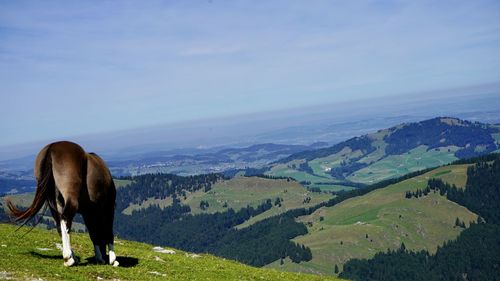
382 219
35 256
240 192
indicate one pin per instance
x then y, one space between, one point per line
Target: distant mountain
208 161
389 153
350 164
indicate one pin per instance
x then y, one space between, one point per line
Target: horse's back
68 162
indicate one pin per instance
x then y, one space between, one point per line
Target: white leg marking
98 256
112 255
67 253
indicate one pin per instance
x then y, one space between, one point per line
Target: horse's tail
44 183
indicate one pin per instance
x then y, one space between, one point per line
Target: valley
316 209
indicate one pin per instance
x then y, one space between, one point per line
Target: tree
277 202
204 205
408 195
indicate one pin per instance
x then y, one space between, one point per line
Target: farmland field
397 165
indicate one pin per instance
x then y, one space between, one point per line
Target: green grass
387 217
322 166
397 165
282 170
320 179
162 203
121 183
441 173
331 187
35 256
23 199
456 176
241 192
379 152
380 166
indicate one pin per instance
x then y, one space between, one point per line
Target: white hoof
70 262
112 257
116 263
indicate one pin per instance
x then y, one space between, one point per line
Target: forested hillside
381 219
474 255
161 186
211 226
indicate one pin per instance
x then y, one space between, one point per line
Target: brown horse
69 180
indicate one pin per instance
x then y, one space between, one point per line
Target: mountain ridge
390 152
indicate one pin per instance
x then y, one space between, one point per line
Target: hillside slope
389 153
474 255
35 256
362 226
240 192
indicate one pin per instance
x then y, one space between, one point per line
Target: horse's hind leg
57 219
112 255
109 236
90 217
99 222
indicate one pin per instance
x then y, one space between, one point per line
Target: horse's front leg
68 257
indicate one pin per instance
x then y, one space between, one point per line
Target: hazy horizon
330 123
89 68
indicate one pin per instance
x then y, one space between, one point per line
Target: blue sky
81 67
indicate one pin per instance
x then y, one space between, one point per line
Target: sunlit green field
397 165
121 183
35 257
